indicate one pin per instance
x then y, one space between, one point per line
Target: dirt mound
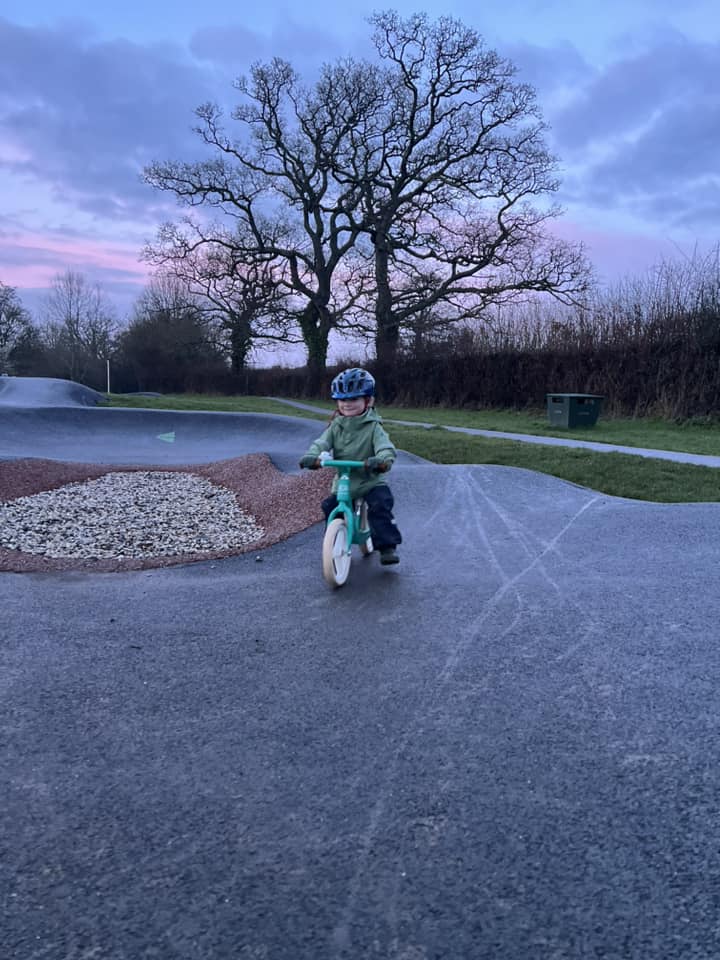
284 504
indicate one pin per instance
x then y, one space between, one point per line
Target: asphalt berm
504 748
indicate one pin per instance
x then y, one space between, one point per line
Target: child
356 433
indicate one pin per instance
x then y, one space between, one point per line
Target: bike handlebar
327 462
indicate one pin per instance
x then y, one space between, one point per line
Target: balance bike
346 525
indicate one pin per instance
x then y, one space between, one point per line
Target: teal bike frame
346 508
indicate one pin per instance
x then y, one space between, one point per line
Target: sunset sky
91 93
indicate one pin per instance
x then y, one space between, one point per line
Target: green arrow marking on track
167 437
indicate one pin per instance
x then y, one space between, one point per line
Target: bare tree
79 325
277 185
14 324
447 170
404 188
242 298
168 344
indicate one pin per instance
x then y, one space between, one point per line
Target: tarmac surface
506 747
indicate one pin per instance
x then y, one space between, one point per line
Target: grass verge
617 474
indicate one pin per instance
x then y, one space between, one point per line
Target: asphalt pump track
506 747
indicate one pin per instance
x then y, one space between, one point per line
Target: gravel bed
65 516
142 514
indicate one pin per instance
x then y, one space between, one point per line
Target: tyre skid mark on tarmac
520 535
528 541
460 484
509 583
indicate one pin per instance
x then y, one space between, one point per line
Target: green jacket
357 438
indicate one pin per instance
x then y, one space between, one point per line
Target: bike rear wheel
366 547
336 553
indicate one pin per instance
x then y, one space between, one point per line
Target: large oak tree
411 186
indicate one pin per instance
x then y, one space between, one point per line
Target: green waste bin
573 409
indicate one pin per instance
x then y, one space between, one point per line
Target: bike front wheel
336 553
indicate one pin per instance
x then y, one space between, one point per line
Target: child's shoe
388 555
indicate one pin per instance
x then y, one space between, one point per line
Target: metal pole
107 360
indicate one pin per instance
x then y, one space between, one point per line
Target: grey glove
376 465
309 462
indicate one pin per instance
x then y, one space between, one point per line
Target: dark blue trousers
380 503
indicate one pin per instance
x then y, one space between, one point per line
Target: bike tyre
367 547
335 556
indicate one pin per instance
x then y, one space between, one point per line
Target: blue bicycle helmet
352 383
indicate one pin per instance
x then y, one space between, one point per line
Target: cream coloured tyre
365 548
336 553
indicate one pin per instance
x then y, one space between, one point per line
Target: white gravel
126 515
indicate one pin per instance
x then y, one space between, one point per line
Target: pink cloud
618 254
33 259
30 260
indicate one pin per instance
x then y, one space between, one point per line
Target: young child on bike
355 432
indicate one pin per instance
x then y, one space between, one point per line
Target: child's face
352 408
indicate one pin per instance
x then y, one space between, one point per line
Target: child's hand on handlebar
309 462
376 465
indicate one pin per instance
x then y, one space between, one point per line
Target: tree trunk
387 333
240 342
315 323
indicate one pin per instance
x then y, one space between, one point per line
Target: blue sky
89 95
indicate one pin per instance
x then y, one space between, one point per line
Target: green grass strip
617 474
